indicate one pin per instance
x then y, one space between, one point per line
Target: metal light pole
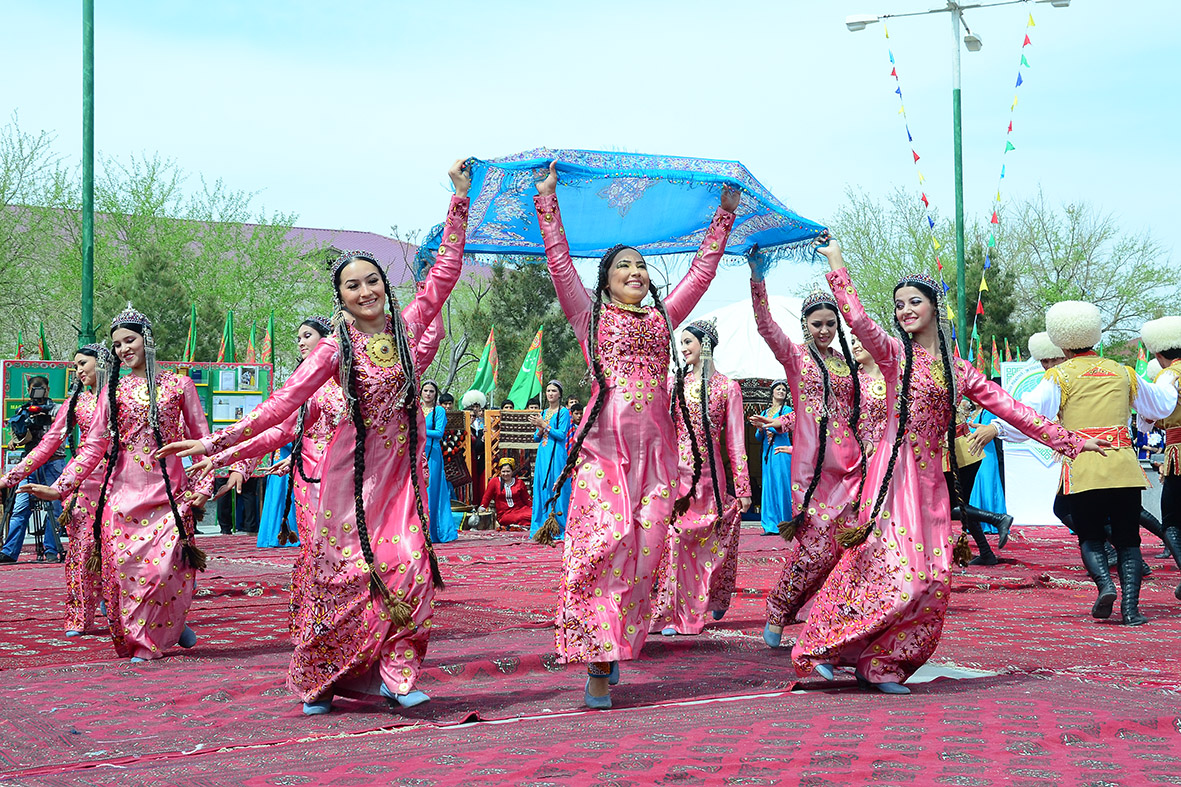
86 329
858 22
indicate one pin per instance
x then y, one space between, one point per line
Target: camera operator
29 425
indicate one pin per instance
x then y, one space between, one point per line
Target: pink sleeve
685 295
243 456
785 350
997 401
736 440
44 450
315 370
444 274
786 422
879 344
94 447
572 295
195 427
427 345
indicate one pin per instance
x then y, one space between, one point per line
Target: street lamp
973 42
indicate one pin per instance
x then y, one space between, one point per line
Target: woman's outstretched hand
549 184
827 246
980 438
461 177
41 491
197 470
730 199
1097 445
761 422
181 448
233 483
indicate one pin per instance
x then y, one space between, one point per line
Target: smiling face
506 474
362 290
129 347
306 340
779 394
553 395
84 367
822 326
627 278
913 309
690 348
860 354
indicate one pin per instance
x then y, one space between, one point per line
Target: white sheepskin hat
1042 349
1153 370
1074 325
473 397
1163 334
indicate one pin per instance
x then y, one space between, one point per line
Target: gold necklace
380 350
634 308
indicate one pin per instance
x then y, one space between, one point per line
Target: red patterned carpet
1076 701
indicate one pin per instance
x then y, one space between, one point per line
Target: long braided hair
705 372
821 302
853 536
407 400
322 327
678 399
770 447
102 361
135 322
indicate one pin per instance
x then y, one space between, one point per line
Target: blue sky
348 114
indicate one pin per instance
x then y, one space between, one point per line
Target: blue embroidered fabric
656 204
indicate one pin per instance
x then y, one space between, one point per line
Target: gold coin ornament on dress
140 395
877 389
381 351
837 366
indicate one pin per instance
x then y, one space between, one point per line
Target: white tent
741 352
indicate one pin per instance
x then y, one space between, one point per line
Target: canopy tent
657 204
741 352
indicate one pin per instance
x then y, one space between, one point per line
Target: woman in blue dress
274 501
439 490
776 500
553 425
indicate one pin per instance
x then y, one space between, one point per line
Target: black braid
705 428
186 532
72 417
962 551
94 562
855 419
296 465
681 404
903 420
822 444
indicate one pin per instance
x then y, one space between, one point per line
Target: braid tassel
962 551
401 613
787 530
547 534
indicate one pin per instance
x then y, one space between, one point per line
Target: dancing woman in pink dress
624 460
144 522
872 426
698 571
827 464
372 576
881 609
83 588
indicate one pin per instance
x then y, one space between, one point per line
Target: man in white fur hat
1044 351
1163 339
1095 396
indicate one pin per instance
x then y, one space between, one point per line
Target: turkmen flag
528 382
1142 360
43 345
20 344
250 352
190 353
996 372
226 353
489 367
267 351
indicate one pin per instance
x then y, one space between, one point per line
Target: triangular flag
935 243
957 349
995 218
1008 353
894 72
891 57
916 155
902 110
987 261
1019 80
995 371
528 382
924 201
939 265
909 138
251 353
20 344
991 241
979 309
1009 146
1031 24
1002 171
998 195
930 222
489 367
226 353
43 345
1014 105
898 90
972 346
1024 62
888 29
921 178
946 289
1026 43
1010 131
983 284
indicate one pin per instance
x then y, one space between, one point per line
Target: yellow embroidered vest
1172 427
1097 396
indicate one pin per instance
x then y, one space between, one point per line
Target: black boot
986 556
1095 562
1172 538
1002 522
1129 582
1112 555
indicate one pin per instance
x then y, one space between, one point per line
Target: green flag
489 368
225 353
43 345
1142 360
20 344
267 350
528 382
190 353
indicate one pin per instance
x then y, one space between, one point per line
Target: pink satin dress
699 569
626 479
882 608
83 588
346 642
147 585
814 550
872 426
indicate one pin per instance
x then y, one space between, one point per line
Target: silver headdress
942 323
133 317
103 361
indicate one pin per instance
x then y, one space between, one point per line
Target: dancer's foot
102 607
597 694
772 635
1003 525
668 631
318 707
890 687
613 678
137 660
824 671
188 638
718 614
984 560
73 633
407 700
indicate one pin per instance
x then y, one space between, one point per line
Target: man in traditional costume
1163 339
